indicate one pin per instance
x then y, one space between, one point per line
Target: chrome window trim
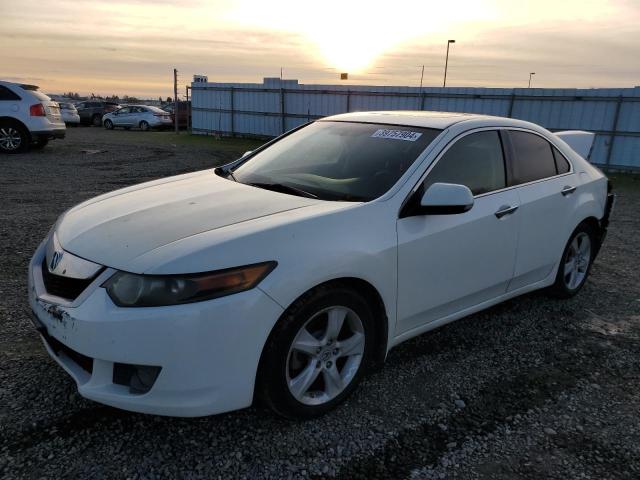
497 129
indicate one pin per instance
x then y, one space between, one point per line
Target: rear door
547 188
9 102
448 263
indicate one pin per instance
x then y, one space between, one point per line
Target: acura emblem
55 260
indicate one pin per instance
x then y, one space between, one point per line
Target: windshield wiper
282 188
226 172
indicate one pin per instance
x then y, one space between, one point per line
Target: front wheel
576 263
108 124
317 353
144 126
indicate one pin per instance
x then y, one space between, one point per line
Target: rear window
533 158
155 110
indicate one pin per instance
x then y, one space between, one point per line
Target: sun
350 35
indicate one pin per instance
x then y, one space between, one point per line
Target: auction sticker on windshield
397 134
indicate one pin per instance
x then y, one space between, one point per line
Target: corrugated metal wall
275 106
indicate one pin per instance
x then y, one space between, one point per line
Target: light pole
531 75
446 62
421 76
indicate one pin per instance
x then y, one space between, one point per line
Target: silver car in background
137 116
69 114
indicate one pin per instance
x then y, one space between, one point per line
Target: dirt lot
534 388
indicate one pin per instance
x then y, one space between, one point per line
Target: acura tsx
288 273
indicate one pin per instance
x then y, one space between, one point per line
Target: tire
13 137
306 382
579 253
40 144
144 126
108 124
96 120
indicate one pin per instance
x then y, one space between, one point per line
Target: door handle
567 190
505 210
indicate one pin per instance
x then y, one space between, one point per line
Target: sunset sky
131 46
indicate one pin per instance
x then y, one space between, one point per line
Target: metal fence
275 106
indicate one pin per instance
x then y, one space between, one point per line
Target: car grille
64 287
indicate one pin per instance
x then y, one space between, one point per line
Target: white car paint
16 101
136 116
428 270
69 114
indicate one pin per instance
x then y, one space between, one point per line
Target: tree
169 100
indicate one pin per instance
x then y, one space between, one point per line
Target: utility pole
446 63
175 99
421 76
531 75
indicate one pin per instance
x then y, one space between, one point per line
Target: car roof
429 119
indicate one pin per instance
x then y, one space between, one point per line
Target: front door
448 263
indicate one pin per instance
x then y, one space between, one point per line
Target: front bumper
208 351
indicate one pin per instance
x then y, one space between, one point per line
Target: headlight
131 290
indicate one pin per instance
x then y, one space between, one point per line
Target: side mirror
446 199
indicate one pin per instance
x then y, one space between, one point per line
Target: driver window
476 160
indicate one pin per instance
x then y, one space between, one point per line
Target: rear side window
533 159
8 95
562 166
475 160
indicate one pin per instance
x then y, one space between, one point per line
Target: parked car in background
92 111
27 118
184 113
137 116
69 114
290 272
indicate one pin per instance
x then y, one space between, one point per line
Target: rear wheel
96 120
317 353
144 126
108 124
575 265
13 138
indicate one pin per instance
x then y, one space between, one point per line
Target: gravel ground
533 388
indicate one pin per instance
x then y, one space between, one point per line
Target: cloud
131 46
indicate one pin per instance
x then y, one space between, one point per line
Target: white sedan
288 273
143 117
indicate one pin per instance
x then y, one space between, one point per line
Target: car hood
115 228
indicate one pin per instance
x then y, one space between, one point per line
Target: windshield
338 160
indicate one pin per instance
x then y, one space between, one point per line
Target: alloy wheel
10 139
325 355
577 261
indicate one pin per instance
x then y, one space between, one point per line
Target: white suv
27 118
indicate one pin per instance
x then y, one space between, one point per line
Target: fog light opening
139 378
